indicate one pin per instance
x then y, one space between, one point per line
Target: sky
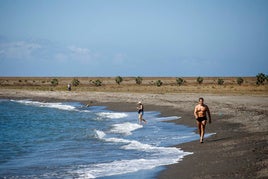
171 38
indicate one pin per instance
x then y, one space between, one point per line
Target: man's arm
209 116
195 112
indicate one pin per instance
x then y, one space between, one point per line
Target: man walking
200 112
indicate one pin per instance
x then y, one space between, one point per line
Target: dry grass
170 85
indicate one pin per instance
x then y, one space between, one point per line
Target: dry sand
239 149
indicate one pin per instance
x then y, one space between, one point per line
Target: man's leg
203 128
199 128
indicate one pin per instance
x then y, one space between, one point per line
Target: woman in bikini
141 112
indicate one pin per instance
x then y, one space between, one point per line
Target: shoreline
237 150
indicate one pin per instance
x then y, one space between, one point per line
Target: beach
238 149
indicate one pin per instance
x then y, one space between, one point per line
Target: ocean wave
46 104
119 167
125 128
159 156
99 134
112 115
130 144
167 118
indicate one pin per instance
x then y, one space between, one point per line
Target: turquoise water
69 140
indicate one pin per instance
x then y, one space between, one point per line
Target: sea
70 140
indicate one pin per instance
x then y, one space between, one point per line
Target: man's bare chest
201 108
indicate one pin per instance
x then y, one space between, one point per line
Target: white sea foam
112 115
86 111
159 156
210 134
127 166
136 145
125 128
168 118
44 104
99 134
133 144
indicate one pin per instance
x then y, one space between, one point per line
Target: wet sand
239 149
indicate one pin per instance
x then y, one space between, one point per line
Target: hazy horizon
128 76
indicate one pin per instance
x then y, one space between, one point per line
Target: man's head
201 100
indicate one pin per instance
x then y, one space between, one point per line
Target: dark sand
239 149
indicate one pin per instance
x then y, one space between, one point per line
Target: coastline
237 150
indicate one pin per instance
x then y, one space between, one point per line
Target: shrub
180 81
220 81
158 83
54 82
199 80
75 82
97 82
138 80
260 79
240 81
118 80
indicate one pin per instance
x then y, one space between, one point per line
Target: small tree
240 81
75 82
199 80
180 81
158 83
138 80
260 79
54 82
220 81
97 82
118 80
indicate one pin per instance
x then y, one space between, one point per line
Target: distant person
141 112
69 87
200 112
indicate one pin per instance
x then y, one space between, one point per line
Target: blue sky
133 38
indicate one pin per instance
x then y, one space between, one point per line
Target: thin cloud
82 54
18 50
79 51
